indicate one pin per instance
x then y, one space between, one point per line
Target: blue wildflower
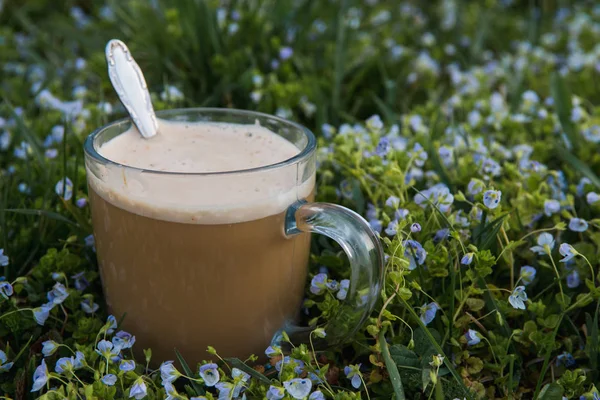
545 244
592 198
374 123
64 188
58 294
111 324
392 202
79 360
3 258
428 312
64 364
275 393
446 155
317 284
418 155
567 251
168 372
81 202
49 347
353 373
472 337
491 198
371 211
383 147
41 314
127 365
391 229
573 280
527 274
298 388
578 225
40 377
225 390
24 188
551 207
475 187
316 395
88 306
6 289
415 253
81 283
343 292
415 228
582 184
58 276
441 235
138 390
467 259
565 358
376 225
285 53
107 350
327 130
438 196
90 241
22 150
51 153
229 390
401 213
273 351
109 380
210 374
123 340
4 365
170 391
518 297
297 364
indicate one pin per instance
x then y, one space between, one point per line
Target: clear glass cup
226 275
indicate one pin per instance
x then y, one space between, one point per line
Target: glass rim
311 144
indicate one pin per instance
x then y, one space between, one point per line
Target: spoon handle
130 85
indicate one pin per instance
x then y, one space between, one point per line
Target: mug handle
364 251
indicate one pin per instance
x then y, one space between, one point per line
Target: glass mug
233 280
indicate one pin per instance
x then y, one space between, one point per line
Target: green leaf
199 389
391 367
237 363
403 356
425 377
89 391
552 391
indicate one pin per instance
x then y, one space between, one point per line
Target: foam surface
197 147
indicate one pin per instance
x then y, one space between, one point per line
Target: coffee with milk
190 254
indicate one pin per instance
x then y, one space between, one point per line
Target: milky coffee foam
201 147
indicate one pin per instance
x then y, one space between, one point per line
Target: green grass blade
592 341
563 105
391 367
237 363
41 213
339 64
586 171
186 368
538 386
436 346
